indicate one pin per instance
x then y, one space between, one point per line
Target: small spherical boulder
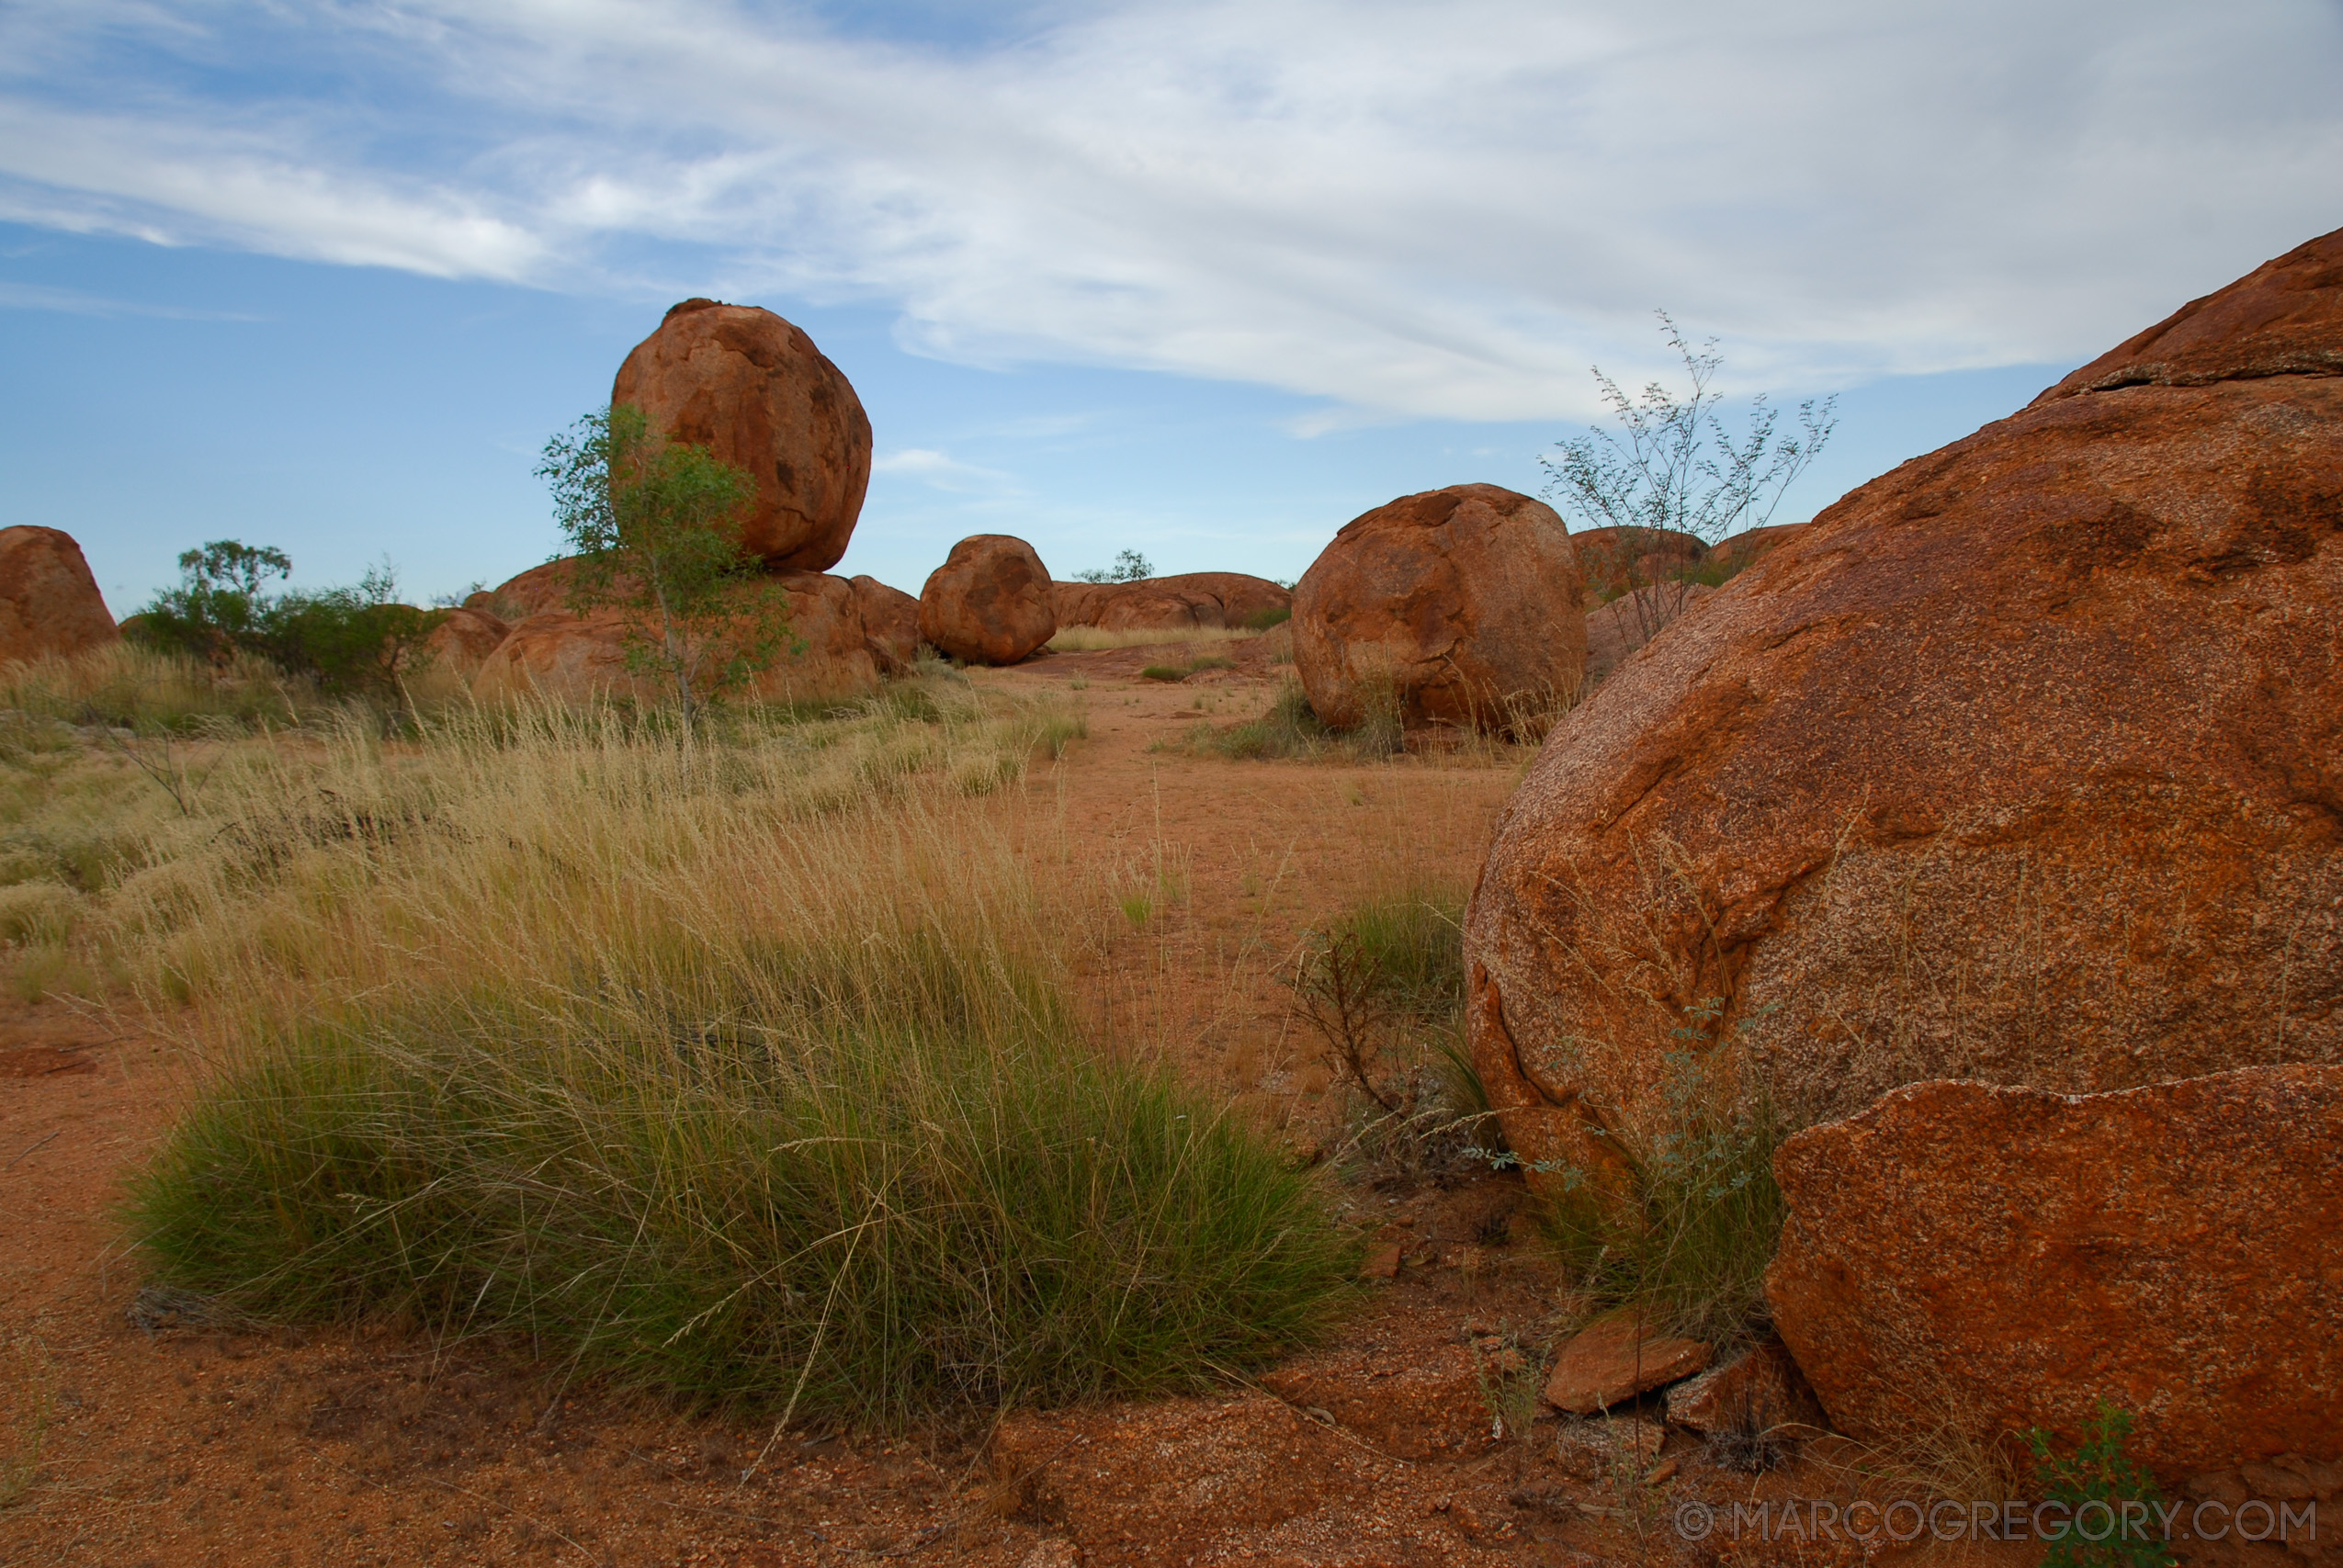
989 601
48 601
754 391
1462 603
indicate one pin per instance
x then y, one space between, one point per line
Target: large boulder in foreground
753 390
49 602
1459 602
1998 1260
1179 603
989 601
574 657
890 623
2022 763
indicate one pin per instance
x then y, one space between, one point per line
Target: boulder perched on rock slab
2022 763
49 602
753 390
989 601
890 623
1998 1259
1455 604
1170 603
1614 1360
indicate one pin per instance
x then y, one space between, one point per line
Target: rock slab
1456 603
989 601
1616 1359
754 391
2003 1259
2022 762
1170 603
49 602
571 658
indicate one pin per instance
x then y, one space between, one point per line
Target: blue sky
1205 279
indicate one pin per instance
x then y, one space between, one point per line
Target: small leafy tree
1672 469
222 601
348 640
652 528
1129 567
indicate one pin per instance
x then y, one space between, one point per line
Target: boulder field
1459 602
2021 763
752 388
49 602
989 601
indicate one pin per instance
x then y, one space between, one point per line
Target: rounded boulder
1458 603
989 603
754 391
49 602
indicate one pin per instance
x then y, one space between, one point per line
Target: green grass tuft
868 1179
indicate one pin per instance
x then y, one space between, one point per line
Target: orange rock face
890 623
49 602
464 640
2003 1259
2022 763
1459 601
572 658
754 392
2284 318
1189 599
989 601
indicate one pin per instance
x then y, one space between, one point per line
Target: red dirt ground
182 1443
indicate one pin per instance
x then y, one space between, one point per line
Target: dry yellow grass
1091 639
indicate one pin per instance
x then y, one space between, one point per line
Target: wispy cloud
940 471
37 297
1401 209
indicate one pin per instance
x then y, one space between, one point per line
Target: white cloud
1402 209
941 471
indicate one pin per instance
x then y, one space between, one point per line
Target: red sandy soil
181 1442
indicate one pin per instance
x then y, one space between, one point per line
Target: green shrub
869 1180
2101 1477
1163 673
1261 620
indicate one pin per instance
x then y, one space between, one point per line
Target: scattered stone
989 603
1603 1450
1616 1359
753 390
1382 1262
2019 764
890 623
49 602
1457 605
1998 1259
